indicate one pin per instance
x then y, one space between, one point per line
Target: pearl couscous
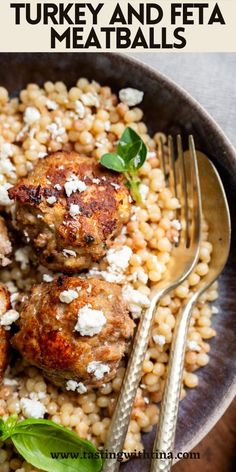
89 119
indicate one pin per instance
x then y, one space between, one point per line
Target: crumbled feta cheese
74 184
31 115
90 99
58 187
41 155
131 96
176 225
32 408
10 382
107 125
56 131
51 105
90 322
79 108
96 181
76 386
151 154
135 300
6 150
116 186
22 256
47 278
108 276
143 190
118 259
193 346
51 200
37 395
215 310
74 210
9 317
68 252
159 339
98 369
67 296
4 198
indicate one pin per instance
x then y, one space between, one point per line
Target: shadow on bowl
170 109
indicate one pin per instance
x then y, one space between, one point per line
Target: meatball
70 207
75 329
4 335
5 244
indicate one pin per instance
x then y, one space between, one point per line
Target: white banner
109 25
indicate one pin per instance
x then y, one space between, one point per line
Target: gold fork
215 208
184 179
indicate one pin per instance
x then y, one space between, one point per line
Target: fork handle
164 441
121 416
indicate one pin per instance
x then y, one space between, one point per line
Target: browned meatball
4 335
74 329
70 207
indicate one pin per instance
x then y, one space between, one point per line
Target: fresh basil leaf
38 440
129 144
140 157
114 162
7 427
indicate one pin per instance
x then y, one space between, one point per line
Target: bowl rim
206 117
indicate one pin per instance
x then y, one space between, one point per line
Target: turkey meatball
70 207
76 330
4 334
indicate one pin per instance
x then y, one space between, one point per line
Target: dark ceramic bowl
170 109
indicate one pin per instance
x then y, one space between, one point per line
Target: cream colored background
36 38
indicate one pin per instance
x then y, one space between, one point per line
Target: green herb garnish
130 156
38 441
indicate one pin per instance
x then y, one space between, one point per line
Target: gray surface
209 78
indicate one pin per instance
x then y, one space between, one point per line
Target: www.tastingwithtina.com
124 455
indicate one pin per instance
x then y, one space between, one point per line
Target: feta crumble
74 184
47 278
58 187
159 339
22 256
193 346
215 310
131 96
41 155
118 259
10 382
68 252
143 190
76 386
51 200
74 210
4 197
32 408
176 225
90 99
9 317
79 108
90 322
98 369
31 115
96 181
67 296
135 300
51 105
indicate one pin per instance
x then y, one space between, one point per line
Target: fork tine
195 194
183 190
163 158
172 167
